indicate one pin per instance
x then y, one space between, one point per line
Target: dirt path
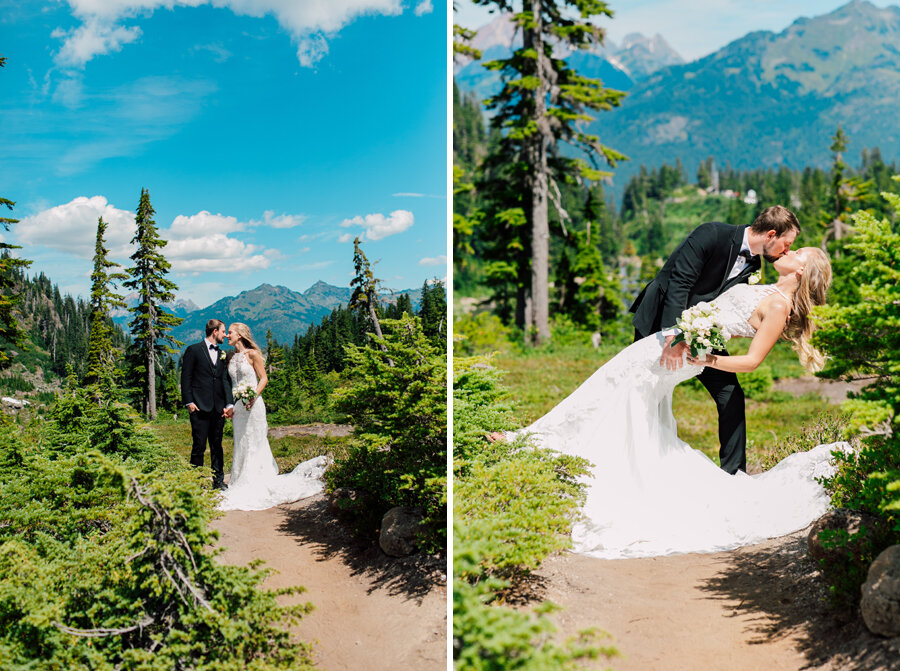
832 390
755 608
371 612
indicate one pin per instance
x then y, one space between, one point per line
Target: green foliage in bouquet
862 339
513 505
397 402
105 567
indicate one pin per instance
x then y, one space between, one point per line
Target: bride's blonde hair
814 283
244 331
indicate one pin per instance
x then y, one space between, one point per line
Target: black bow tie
215 347
746 254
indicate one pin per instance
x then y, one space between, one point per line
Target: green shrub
103 567
757 384
828 428
14 383
490 637
397 402
867 481
513 506
480 334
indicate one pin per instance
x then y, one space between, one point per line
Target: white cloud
202 224
281 221
424 7
214 253
434 261
197 243
94 37
219 53
416 195
72 228
310 22
377 226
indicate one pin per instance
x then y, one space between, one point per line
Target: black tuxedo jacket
696 271
203 384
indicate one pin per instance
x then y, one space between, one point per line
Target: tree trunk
151 383
151 361
540 229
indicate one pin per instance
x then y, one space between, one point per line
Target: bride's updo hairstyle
814 283
246 336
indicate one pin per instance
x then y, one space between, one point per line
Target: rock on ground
880 605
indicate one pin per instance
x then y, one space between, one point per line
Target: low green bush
397 403
106 562
757 384
514 505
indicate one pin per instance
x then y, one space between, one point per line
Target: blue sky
694 28
269 133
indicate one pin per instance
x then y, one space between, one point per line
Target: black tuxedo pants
208 427
729 397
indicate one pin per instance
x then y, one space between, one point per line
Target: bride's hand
708 360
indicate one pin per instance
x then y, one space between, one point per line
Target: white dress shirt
740 261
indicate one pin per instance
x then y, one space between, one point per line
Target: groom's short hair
212 326
776 218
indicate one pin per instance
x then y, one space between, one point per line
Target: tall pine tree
152 323
101 351
542 105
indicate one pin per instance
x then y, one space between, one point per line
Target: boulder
399 530
880 604
851 521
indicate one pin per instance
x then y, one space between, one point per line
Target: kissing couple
211 381
650 493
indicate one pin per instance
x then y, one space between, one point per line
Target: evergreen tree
848 193
365 288
101 351
539 108
433 312
151 323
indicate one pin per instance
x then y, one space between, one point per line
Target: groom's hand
192 407
672 355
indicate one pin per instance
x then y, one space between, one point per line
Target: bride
652 494
255 483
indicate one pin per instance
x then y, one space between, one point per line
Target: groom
206 391
712 259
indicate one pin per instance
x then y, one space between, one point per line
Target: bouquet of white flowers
245 393
700 330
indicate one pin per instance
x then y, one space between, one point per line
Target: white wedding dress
255 483
651 494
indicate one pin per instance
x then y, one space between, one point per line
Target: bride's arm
259 366
773 320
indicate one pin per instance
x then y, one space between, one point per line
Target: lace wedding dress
255 483
652 494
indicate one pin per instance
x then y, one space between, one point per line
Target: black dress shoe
218 483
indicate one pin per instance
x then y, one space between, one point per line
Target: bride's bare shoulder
775 306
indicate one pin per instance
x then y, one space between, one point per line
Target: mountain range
764 100
618 66
283 311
